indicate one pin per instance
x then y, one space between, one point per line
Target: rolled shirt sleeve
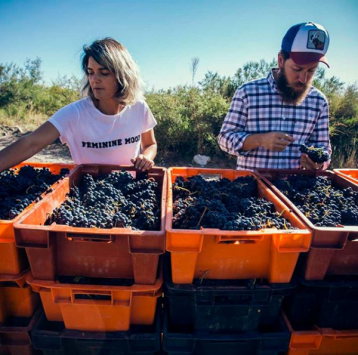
232 134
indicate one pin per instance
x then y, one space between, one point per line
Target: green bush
188 121
189 118
22 91
344 128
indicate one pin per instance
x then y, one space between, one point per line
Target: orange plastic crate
322 341
217 254
118 307
349 174
93 252
6 226
13 260
334 250
16 297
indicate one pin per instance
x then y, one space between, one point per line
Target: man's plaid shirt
257 107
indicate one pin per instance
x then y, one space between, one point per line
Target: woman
111 125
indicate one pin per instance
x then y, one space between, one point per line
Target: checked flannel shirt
257 107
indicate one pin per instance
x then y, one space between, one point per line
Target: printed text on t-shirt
112 143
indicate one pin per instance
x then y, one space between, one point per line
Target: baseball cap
307 43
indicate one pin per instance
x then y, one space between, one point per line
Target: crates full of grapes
20 188
102 222
328 204
226 224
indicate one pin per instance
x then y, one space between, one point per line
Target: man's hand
142 163
307 163
276 141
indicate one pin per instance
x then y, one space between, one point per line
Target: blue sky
163 36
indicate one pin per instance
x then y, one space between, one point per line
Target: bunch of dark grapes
323 204
222 204
113 200
18 189
317 155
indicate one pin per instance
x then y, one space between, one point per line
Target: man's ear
280 61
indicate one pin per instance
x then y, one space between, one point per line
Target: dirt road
54 153
59 153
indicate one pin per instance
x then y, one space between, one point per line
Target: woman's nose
96 78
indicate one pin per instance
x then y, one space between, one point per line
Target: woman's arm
144 161
149 144
28 146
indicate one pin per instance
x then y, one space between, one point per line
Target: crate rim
121 232
214 231
11 222
294 208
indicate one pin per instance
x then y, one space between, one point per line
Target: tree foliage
189 117
188 120
22 91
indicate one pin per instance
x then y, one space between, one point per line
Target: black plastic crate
53 339
223 306
15 338
329 303
267 340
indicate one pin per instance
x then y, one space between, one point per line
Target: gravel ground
54 153
59 153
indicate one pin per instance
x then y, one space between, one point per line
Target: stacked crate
322 313
99 288
224 289
15 335
19 304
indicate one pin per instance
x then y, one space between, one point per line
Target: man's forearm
252 141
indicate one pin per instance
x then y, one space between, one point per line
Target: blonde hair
113 56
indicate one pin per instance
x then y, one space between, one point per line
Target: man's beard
287 91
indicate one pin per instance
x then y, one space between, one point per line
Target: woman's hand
142 163
307 163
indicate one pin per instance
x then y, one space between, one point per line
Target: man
269 119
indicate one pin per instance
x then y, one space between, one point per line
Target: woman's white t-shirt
96 138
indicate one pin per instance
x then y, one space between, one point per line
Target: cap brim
303 58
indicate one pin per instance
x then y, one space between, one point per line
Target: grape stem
202 216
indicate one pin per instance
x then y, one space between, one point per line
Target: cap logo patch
316 40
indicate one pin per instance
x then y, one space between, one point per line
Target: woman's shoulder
71 110
139 106
76 105
84 102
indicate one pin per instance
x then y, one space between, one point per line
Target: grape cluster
114 200
317 155
222 204
19 188
323 204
